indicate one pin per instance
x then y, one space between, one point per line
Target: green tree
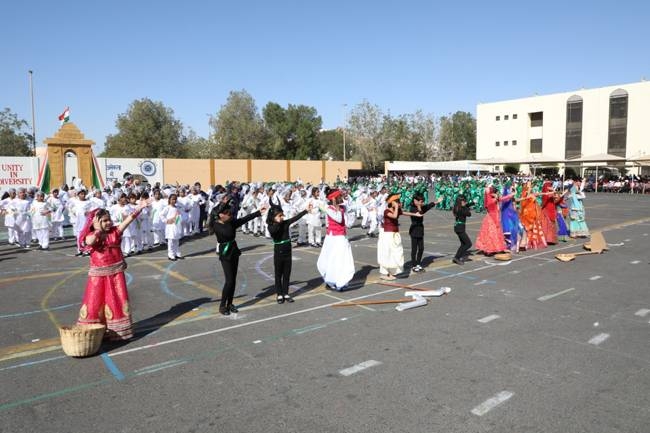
331 141
13 140
147 130
199 147
457 139
294 132
239 129
367 133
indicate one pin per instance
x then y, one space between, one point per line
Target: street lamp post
344 125
31 92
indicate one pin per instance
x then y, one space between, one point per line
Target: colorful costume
490 237
549 214
106 299
577 225
510 220
530 217
335 262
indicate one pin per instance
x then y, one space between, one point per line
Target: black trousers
230 274
417 249
465 244
282 264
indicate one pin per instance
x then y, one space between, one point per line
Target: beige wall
218 171
187 171
340 168
230 170
306 171
268 170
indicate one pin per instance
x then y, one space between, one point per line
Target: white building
588 127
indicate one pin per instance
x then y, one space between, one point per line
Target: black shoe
180 257
79 254
457 261
233 309
280 299
288 298
225 312
467 259
171 260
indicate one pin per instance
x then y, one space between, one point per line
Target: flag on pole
65 116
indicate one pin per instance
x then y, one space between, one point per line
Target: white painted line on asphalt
359 367
257 341
343 319
627 240
489 318
598 339
645 234
492 402
595 277
642 312
514 272
553 295
635 262
307 310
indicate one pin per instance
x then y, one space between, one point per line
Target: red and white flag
65 116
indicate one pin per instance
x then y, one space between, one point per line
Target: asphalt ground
529 345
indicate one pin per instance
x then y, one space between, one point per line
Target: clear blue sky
440 57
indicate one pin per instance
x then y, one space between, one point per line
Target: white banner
17 172
114 169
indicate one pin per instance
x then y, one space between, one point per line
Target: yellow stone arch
69 138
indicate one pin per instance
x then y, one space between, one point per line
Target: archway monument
68 138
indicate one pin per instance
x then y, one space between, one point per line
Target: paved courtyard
529 345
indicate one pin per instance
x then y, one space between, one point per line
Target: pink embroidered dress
106 299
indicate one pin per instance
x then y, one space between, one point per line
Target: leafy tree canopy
147 130
13 140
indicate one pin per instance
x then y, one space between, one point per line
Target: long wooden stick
375 302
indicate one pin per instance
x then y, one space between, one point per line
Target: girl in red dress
490 238
106 299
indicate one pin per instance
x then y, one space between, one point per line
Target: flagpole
31 92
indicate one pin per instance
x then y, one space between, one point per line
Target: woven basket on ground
503 256
81 340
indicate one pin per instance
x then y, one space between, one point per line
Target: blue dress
510 222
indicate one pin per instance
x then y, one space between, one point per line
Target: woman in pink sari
106 299
490 237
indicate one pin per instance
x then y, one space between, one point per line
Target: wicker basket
503 256
81 340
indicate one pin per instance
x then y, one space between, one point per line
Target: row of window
617 131
506 117
505 143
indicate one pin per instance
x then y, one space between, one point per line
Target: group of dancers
513 222
526 221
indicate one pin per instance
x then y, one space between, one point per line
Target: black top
461 217
280 233
417 222
225 233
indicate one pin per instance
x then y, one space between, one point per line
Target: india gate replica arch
70 139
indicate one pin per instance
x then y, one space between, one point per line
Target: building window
498 118
505 143
514 142
536 145
536 119
617 137
573 140
496 144
505 117
514 117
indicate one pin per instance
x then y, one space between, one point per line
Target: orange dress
106 299
530 217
